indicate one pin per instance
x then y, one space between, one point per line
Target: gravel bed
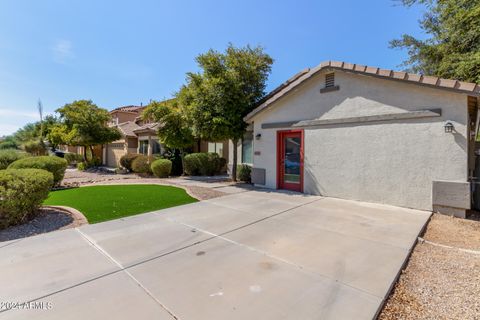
439 282
455 232
84 178
47 220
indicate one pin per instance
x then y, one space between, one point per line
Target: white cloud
62 51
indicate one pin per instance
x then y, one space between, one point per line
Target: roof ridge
431 81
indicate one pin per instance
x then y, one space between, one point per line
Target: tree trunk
85 153
234 164
182 156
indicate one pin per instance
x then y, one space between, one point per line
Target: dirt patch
202 193
453 232
48 219
440 282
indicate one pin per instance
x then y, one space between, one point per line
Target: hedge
35 147
244 173
73 158
161 168
141 164
9 156
53 164
126 160
203 164
22 191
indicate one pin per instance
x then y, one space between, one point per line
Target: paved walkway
248 255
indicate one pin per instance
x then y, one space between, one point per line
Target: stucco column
104 154
149 146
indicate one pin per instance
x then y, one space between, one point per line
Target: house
359 132
140 136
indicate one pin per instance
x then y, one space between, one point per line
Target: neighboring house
137 136
140 136
357 132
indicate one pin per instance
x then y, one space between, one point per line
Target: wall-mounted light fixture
448 126
258 136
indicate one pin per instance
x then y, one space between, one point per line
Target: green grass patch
102 203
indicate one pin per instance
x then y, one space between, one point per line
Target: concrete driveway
250 255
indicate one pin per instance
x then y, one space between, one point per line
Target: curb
78 217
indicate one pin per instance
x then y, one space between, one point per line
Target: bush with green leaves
174 155
37 148
203 164
161 168
9 156
126 160
73 158
244 173
22 191
82 166
141 165
8 144
53 164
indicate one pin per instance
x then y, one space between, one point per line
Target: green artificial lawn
102 203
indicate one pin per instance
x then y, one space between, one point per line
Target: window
216 147
329 80
143 147
156 148
247 148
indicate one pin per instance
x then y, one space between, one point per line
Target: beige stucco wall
391 162
123 116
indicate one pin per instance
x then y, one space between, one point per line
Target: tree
174 131
82 123
453 51
8 143
227 88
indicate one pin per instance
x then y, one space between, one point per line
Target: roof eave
427 81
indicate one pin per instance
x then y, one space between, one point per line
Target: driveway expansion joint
118 264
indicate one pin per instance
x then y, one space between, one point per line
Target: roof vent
329 80
329 83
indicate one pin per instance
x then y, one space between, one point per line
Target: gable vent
329 80
329 83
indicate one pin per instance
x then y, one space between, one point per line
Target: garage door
114 152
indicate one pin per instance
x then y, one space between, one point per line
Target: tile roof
435 82
128 128
148 126
133 109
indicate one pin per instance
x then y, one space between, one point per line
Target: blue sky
127 52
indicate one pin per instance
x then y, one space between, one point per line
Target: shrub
9 144
222 165
22 191
244 172
73 158
55 165
8 156
203 163
37 148
161 168
82 166
141 164
175 157
126 160
94 162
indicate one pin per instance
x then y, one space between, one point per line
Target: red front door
290 160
